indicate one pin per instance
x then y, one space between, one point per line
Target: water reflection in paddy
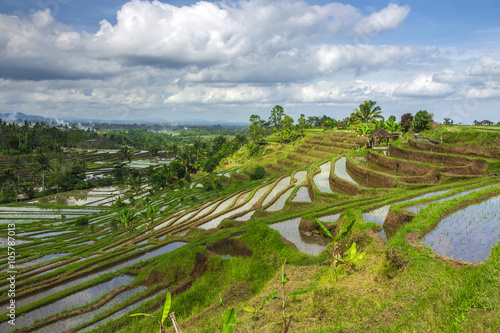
75 321
118 314
148 255
72 301
82 197
42 259
468 234
322 180
290 231
302 195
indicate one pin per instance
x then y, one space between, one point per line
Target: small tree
276 117
82 221
258 173
256 130
406 121
422 121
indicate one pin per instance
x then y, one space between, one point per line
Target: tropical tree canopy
368 111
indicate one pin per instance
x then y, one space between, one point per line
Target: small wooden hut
380 133
21 197
341 125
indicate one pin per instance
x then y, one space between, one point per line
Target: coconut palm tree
42 164
125 154
368 111
17 164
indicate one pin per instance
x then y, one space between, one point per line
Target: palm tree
125 154
42 164
368 111
136 183
17 164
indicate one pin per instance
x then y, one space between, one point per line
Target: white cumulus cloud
423 86
386 19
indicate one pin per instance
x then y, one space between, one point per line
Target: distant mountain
10 117
19 116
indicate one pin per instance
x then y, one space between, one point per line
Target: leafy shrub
82 221
258 173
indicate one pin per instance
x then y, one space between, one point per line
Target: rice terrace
358 225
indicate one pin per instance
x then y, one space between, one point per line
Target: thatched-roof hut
21 197
341 125
380 133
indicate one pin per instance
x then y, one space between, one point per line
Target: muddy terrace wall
394 221
477 167
322 148
430 178
274 167
343 186
429 157
287 163
383 180
344 134
312 153
400 166
299 158
459 165
459 150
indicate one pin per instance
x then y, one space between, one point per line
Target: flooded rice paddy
290 231
70 302
322 180
72 322
302 195
340 170
83 197
468 234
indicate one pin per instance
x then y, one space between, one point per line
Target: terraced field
89 278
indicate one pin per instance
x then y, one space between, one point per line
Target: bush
422 121
258 173
82 221
218 184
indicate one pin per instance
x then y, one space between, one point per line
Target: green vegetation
197 229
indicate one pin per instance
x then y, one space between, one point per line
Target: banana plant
284 280
166 311
344 230
149 215
352 257
127 219
266 300
228 321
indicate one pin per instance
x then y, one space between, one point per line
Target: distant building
21 197
486 122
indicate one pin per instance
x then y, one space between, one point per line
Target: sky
222 61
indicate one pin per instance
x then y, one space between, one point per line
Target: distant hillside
19 116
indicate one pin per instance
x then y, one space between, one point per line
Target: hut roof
21 197
380 133
486 122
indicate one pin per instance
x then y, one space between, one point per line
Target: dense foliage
26 138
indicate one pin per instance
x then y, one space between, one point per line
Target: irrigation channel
65 272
